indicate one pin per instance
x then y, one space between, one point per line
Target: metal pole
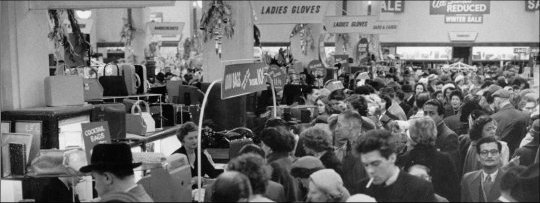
273 93
199 134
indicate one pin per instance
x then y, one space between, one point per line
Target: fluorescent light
83 14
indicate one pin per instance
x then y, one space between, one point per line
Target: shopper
511 123
231 186
423 172
111 166
318 143
302 168
386 182
251 165
423 134
528 152
447 140
484 185
509 182
326 185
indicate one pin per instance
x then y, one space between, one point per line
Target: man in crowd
484 185
112 168
511 123
386 182
447 140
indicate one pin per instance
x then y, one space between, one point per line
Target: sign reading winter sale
443 7
288 12
241 79
359 24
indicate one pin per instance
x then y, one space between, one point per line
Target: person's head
439 85
303 167
375 104
357 103
364 90
420 171
231 186
447 91
276 140
337 100
421 99
489 152
470 103
510 178
423 131
530 101
484 126
387 101
419 88
500 98
111 165
390 78
326 186
187 135
252 148
434 109
316 140
322 104
251 165
438 95
456 99
312 94
377 153
347 125
526 189
407 89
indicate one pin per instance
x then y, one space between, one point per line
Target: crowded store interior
270 101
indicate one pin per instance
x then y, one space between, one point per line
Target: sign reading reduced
458 19
442 7
287 12
359 24
241 79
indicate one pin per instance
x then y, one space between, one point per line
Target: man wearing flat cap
111 165
511 123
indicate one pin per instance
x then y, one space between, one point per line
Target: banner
532 5
359 24
442 7
288 12
166 28
94 133
278 75
392 6
241 79
464 19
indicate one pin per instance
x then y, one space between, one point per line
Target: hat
406 88
502 93
110 156
305 166
459 78
361 198
328 181
448 86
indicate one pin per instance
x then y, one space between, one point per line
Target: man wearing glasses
484 185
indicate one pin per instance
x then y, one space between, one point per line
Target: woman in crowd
318 143
326 186
438 95
423 133
447 90
419 88
417 110
456 99
231 186
187 135
322 105
337 102
484 126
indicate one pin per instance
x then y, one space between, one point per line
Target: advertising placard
344 60
317 69
392 6
443 7
94 133
532 5
464 19
166 28
359 24
241 79
288 12
278 75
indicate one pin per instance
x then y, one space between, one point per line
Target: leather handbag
133 81
58 162
92 87
113 85
57 87
140 123
115 115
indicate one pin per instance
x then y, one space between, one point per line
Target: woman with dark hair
231 186
419 88
417 110
322 105
438 95
484 126
422 136
187 135
453 107
447 90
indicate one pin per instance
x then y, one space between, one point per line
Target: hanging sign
94 133
359 24
344 60
278 75
317 69
288 12
462 36
241 79
392 6
442 7
532 5
166 28
464 19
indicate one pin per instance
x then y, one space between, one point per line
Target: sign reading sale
392 6
532 5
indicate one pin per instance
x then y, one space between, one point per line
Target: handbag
58 162
133 81
113 85
140 123
92 87
57 87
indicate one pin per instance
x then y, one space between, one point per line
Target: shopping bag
113 85
142 122
92 87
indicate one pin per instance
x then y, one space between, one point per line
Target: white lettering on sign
464 18
233 80
532 5
457 8
395 6
99 129
438 4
